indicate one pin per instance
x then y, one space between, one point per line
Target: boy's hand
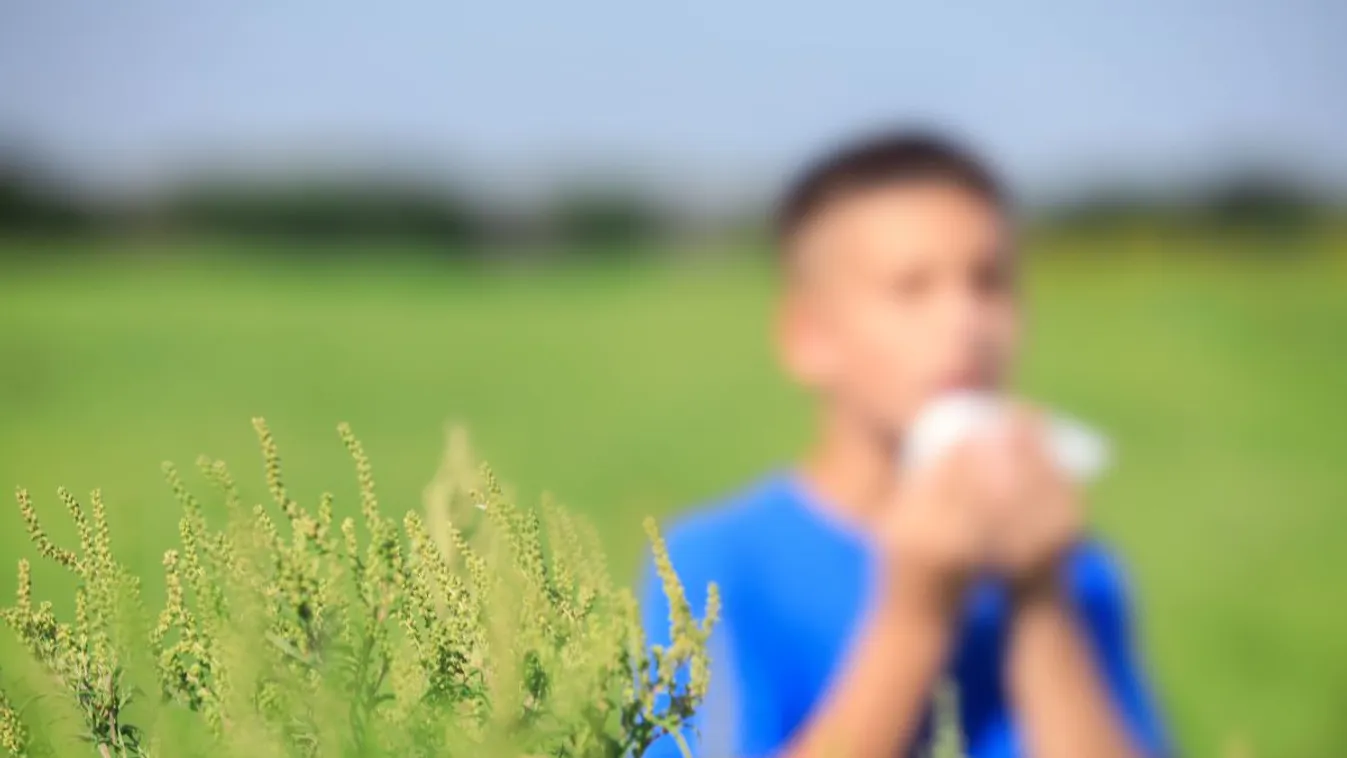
932 538
1031 509
990 504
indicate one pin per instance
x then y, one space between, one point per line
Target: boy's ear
802 342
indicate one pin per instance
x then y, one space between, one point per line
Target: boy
852 588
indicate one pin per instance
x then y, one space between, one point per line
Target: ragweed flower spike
24 593
218 474
369 502
271 460
45 547
680 611
13 733
699 679
77 516
102 537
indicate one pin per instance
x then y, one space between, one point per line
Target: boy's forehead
897 224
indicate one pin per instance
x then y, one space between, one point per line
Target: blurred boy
852 588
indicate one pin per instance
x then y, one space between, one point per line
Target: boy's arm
1073 672
931 545
1061 697
875 707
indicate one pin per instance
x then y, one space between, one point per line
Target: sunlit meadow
627 391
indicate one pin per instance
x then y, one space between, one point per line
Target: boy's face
899 293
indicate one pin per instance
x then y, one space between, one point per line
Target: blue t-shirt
795 587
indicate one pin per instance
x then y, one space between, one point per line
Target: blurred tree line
585 216
30 203
1247 199
308 206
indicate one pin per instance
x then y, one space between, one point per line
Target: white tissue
1079 451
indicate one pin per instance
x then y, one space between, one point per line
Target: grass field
631 391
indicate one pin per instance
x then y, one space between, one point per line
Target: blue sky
733 92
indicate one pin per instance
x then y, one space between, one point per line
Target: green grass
642 390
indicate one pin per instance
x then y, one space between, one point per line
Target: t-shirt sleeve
1106 606
709 734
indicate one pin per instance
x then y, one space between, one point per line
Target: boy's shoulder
728 518
705 540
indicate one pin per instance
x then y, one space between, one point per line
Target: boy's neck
853 470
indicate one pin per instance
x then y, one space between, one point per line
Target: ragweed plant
13 732
286 631
84 655
946 734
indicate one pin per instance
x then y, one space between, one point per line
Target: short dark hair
885 158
